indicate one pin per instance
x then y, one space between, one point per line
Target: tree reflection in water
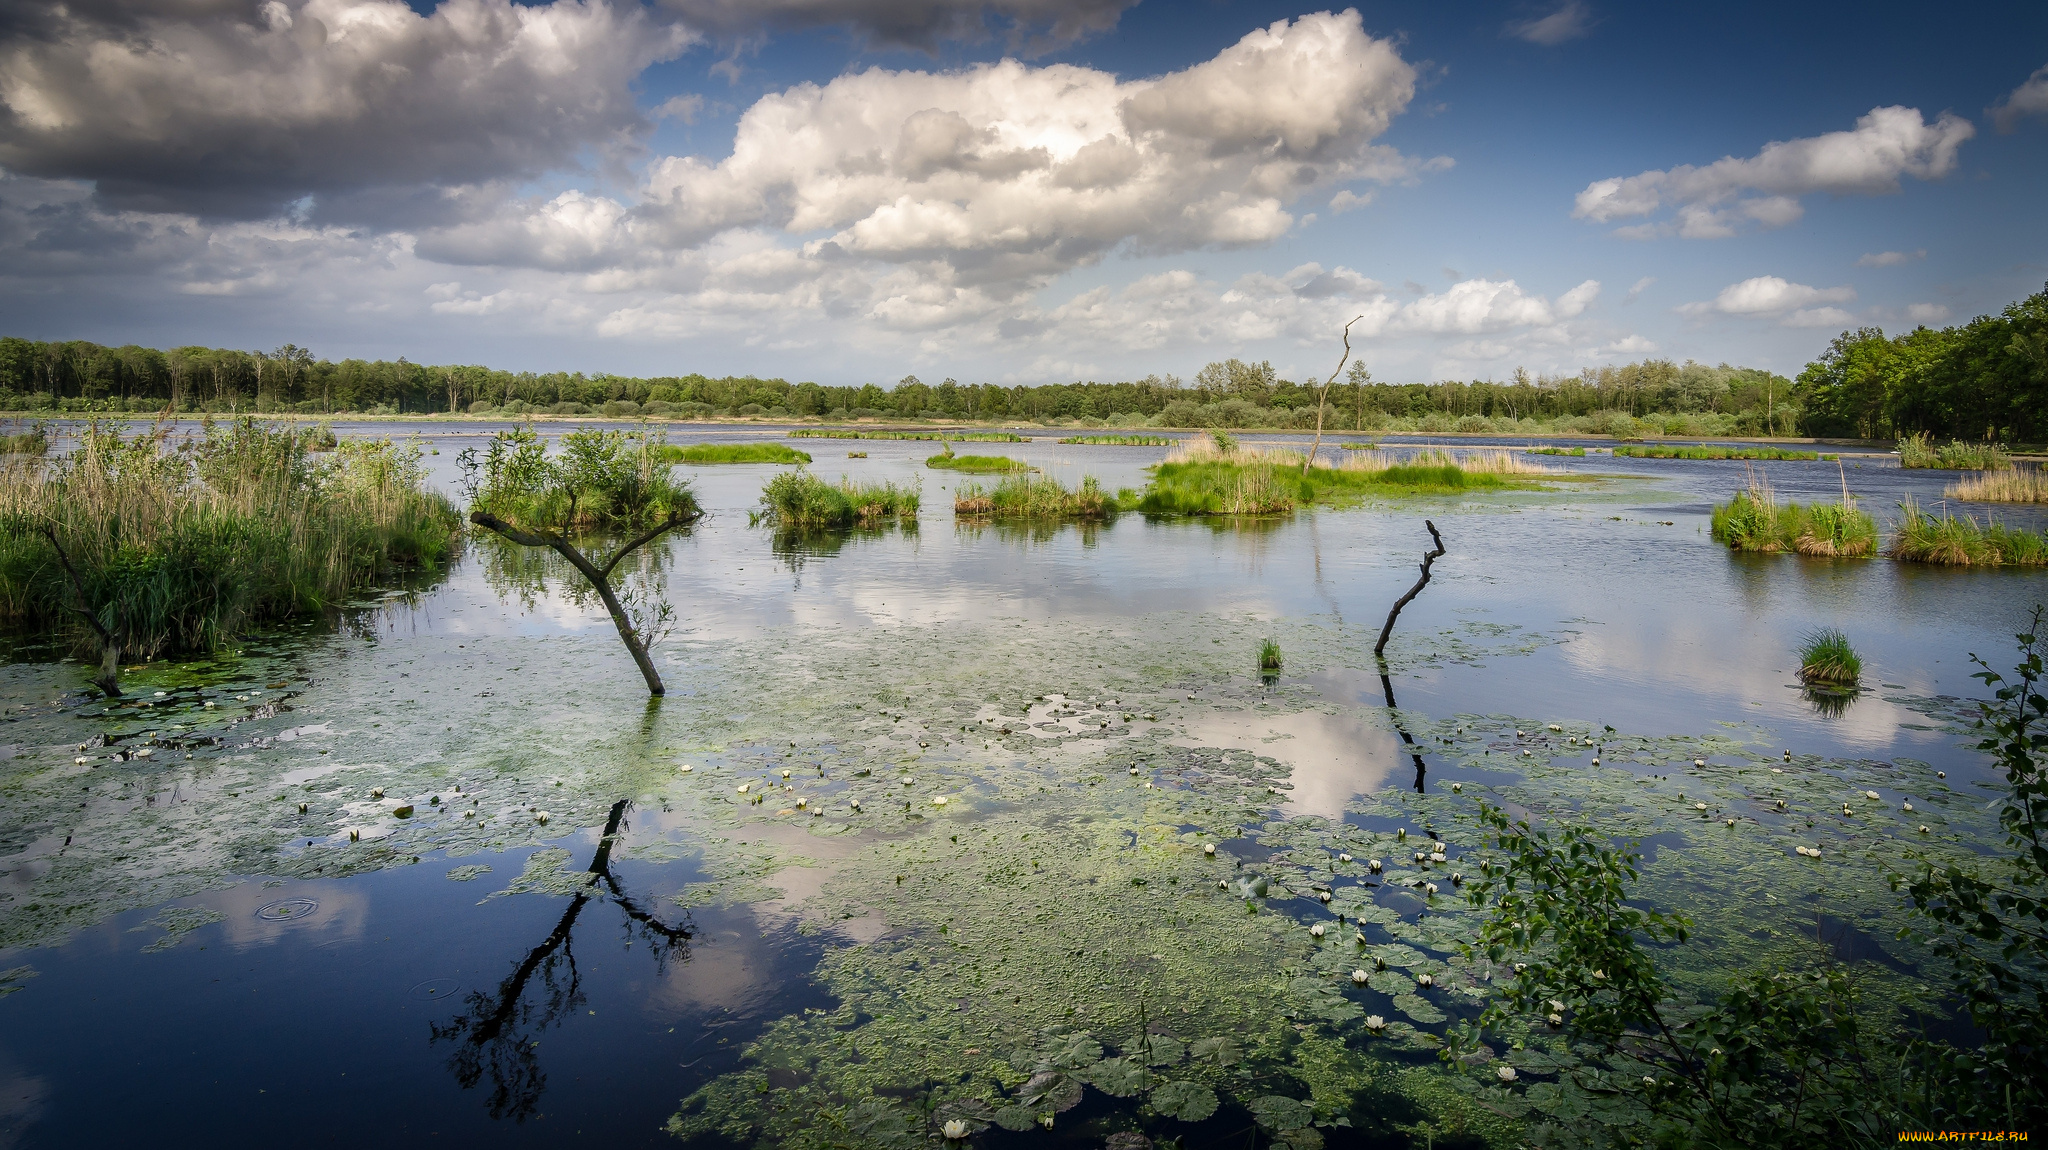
1394 713
495 1033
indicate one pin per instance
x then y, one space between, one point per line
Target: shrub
620 408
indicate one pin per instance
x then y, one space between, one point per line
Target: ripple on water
435 989
287 910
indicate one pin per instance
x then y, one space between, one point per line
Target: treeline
1983 380
1986 378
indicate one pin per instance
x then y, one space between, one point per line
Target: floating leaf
1017 1118
1187 1101
1118 1076
1159 1050
879 1123
1221 1051
1051 1090
1418 1008
1071 1052
973 1111
1278 1112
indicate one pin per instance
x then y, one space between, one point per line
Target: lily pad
1052 1090
1187 1101
1221 1051
1159 1050
1016 1118
1120 1077
1418 1008
1071 1052
1279 1112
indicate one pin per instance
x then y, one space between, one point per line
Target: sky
1017 191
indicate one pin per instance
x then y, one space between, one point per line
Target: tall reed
2014 486
179 546
1038 497
1754 520
1950 540
800 501
1916 450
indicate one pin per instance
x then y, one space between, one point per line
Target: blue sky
845 190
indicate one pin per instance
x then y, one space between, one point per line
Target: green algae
176 922
11 979
468 873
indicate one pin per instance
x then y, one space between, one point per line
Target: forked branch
1428 558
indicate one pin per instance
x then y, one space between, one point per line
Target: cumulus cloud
2029 99
1031 26
1774 296
233 110
1890 259
1928 313
1000 176
1571 21
1481 305
1715 201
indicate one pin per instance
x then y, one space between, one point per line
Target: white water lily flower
1430 886
785 774
1505 1073
1908 807
1556 1019
909 782
1699 806
1600 974
744 786
685 768
1425 980
1555 727
802 803
1923 828
1316 930
1457 788
955 1129
1731 822
1699 762
1437 857
1941 774
1373 865
1526 752
1209 849
1596 760
1359 976
1520 967
1222 885
1402 833
1649 1081
938 800
1343 858
1871 795
1324 895
1374 1022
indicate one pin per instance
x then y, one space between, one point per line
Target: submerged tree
601 481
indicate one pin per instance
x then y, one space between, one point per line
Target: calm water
189 959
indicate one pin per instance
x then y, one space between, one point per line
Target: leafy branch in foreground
1780 1058
1988 918
600 481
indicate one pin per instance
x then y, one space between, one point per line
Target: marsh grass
1687 451
957 436
1202 478
1916 450
1826 659
2014 486
182 544
1269 656
1122 440
1575 452
733 453
34 441
1755 521
800 501
1031 496
981 464
1950 540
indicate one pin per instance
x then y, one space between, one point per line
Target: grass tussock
959 436
1574 452
1207 477
1755 521
34 441
1269 657
2014 486
800 501
1951 540
1122 440
181 545
1916 450
1041 497
1826 659
976 464
1696 451
734 453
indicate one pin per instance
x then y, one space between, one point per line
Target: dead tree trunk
109 678
1428 557
1323 397
599 577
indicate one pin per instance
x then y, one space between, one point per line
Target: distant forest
1984 379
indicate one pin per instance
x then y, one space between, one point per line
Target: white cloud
1927 313
1001 176
1346 201
1571 21
223 110
1890 259
1031 25
1886 144
2029 99
1481 305
1636 289
1773 296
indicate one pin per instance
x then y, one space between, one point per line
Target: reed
733 453
1916 450
2014 486
34 441
1755 521
1950 540
1826 659
1029 496
1122 440
980 464
180 547
960 436
800 501
1203 477
1269 656
1689 451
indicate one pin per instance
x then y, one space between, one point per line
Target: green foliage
1916 451
1950 540
1576 452
1987 918
35 441
598 480
962 436
1827 659
733 453
181 546
1269 656
1122 440
800 501
976 463
1031 496
1689 451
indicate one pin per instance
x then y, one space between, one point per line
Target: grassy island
1040 497
1216 476
733 453
957 436
982 464
800 501
1699 451
1122 440
1755 521
1951 540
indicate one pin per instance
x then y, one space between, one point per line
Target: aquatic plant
136 547
34 441
1950 540
800 501
732 453
948 461
960 436
2016 485
1576 452
600 480
1753 520
1122 440
1692 451
1827 659
1916 451
1039 497
1269 655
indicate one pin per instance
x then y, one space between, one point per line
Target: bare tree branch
1323 399
1428 558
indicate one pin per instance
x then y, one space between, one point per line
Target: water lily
955 1129
1699 762
1209 849
1373 865
1505 1073
1316 931
1457 877
1379 963
1596 760
1871 795
785 774
1556 727
856 804
1923 828
1908 807
938 800
685 768
1520 967
744 786
908 781
1457 788
802 803
1373 1022
1527 752
1343 858
1941 774
1222 885
376 792
1699 806
1430 886
1556 1019
1324 895
1402 833
1359 976
1425 980
1438 857
1731 822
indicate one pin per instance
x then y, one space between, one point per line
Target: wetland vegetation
2015 485
1043 497
1754 520
1952 540
1217 476
1696 451
800 501
979 464
1121 440
734 453
1826 658
1916 450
